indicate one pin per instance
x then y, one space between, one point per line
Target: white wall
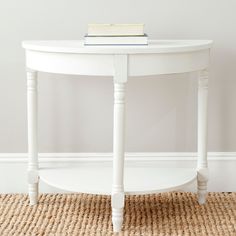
161 111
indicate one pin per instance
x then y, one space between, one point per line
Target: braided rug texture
173 213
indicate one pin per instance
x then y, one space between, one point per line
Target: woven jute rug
173 213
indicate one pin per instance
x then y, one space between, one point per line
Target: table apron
103 64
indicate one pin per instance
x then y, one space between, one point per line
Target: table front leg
118 158
202 166
118 197
32 136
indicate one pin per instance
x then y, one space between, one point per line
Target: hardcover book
115 29
116 40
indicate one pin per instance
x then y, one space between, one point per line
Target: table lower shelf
97 178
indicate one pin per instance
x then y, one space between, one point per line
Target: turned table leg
117 198
32 136
202 166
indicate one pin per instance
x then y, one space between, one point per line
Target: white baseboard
222 166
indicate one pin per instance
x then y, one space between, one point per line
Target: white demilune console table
119 62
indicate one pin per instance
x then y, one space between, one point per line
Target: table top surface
154 46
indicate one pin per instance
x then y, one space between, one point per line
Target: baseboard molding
13 167
139 156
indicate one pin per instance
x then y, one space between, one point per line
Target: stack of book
115 34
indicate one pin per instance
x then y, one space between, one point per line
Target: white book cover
116 40
115 29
